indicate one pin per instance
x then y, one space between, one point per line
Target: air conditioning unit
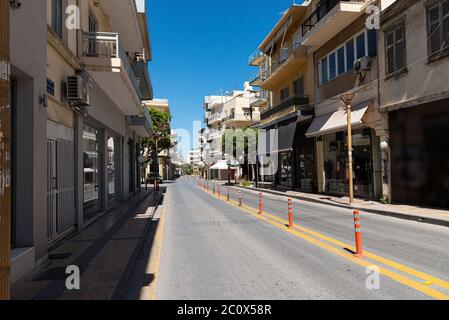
77 91
362 64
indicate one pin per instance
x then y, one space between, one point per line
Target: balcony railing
107 45
301 102
255 56
320 12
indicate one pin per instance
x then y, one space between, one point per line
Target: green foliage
162 133
246 184
188 169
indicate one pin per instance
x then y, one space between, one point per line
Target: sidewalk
424 215
105 253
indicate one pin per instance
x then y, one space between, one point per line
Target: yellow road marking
154 263
424 288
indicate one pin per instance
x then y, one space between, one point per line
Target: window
395 49
324 70
438 29
332 66
298 86
93 27
57 17
360 42
285 93
341 60
372 43
350 54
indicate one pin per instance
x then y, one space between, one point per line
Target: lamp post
348 100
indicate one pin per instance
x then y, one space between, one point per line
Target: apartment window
298 86
372 43
360 43
438 29
350 55
395 49
324 70
341 60
57 17
93 27
332 66
285 93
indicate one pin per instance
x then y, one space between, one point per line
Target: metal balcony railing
107 45
301 102
254 56
320 12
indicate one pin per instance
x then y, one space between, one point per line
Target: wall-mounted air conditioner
77 91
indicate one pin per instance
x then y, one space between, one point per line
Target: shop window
335 163
286 170
91 172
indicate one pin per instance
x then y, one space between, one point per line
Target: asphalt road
213 249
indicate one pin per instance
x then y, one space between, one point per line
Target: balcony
142 125
109 66
238 117
291 104
256 58
216 117
261 99
330 17
290 60
215 135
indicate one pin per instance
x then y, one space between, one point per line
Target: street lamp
348 100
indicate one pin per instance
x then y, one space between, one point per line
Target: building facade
286 77
5 151
414 95
237 110
77 117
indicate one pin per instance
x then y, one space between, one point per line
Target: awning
286 131
286 136
337 121
221 165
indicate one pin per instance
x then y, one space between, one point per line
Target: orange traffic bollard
260 204
219 193
240 198
358 236
229 198
290 214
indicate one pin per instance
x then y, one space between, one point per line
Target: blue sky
201 47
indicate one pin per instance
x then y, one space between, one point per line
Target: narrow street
212 249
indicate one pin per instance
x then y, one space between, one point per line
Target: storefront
336 158
419 140
295 154
330 131
92 158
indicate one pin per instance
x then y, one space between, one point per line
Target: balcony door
93 28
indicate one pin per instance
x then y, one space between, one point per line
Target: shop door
60 188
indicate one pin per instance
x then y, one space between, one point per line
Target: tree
161 137
249 137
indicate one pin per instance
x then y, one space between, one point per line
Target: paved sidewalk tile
104 252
